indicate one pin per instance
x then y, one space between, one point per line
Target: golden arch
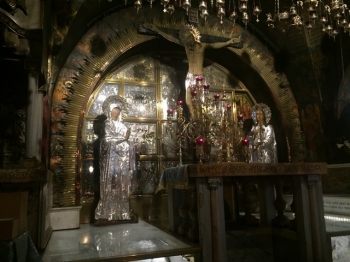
76 95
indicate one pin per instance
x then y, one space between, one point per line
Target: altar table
305 178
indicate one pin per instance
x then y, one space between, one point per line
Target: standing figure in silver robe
262 142
115 171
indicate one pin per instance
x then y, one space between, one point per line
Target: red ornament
245 142
199 78
170 112
206 86
194 93
216 97
199 141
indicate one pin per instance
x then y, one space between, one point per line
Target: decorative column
184 213
33 118
293 222
218 239
320 246
193 232
248 218
302 218
266 192
280 205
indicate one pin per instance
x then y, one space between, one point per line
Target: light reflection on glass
336 218
85 240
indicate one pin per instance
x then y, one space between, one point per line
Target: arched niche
151 85
84 71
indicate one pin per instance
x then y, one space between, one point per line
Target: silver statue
116 174
262 142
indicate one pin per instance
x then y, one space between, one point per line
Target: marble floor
124 242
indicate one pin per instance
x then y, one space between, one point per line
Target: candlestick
200 148
170 112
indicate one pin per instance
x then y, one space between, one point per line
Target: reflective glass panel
170 89
219 79
141 69
108 89
149 179
170 147
141 100
144 136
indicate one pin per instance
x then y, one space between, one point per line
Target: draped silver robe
267 151
115 175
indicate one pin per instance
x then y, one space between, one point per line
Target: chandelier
215 127
333 15
200 8
310 13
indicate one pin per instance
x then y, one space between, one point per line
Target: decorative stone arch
82 73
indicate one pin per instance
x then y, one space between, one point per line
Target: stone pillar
281 220
248 218
320 245
218 235
302 218
193 232
266 193
184 213
34 118
203 196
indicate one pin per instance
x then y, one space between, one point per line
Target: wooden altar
307 231
31 178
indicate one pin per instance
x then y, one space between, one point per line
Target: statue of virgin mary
116 166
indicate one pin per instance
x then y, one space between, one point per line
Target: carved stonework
22 175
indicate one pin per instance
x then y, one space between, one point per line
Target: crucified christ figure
190 37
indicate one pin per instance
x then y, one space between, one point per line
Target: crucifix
190 38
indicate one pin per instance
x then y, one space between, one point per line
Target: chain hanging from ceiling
333 16
330 16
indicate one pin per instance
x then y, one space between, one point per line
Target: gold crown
189 33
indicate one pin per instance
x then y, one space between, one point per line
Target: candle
199 78
240 117
180 102
245 142
199 141
216 97
194 92
170 112
228 106
206 86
